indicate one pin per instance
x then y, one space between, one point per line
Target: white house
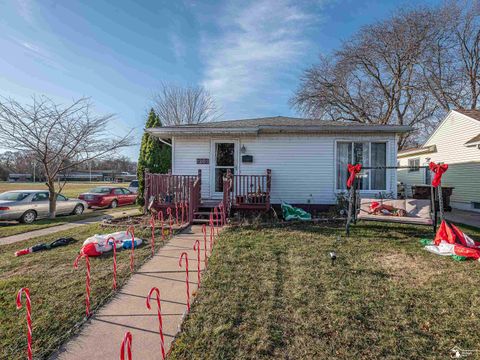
455 142
307 158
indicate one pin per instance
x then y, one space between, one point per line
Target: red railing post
269 187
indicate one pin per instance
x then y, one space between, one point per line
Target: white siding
464 162
303 167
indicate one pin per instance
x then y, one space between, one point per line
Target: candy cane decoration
160 217
176 214
28 305
152 242
212 231
215 210
114 245
204 231
127 342
170 221
131 231
182 208
185 255
198 249
87 281
159 313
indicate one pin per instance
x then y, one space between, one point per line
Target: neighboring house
19 177
307 159
455 142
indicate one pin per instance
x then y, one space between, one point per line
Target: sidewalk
57 228
102 336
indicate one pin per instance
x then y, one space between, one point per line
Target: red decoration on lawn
152 242
176 214
170 220
127 342
198 249
28 305
160 217
87 281
212 231
131 231
186 211
114 261
353 170
222 213
439 170
204 231
182 208
216 212
185 255
159 313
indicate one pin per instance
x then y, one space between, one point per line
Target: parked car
133 187
105 196
28 205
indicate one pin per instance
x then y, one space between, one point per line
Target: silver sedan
28 205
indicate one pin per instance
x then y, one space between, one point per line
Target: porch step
200 221
202 213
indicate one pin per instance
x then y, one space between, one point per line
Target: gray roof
474 114
275 124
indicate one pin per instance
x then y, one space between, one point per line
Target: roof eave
420 151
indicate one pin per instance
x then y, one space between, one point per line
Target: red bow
353 170
439 170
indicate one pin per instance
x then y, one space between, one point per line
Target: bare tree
60 137
451 64
176 105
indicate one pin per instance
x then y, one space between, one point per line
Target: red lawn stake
196 247
114 245
159 313
182 208
152 242
87 281
170 221
220 209
127 342
131 231
185 255
215 210
160 217
28 305
204 230
212 231
176 214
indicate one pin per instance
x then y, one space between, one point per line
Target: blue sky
248 54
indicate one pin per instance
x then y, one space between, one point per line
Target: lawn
71 189
273 293
13 228
57 290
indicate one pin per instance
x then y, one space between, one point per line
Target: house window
414 165
368 154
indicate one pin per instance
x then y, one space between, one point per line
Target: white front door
224 153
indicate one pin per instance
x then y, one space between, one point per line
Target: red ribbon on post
87 281
353 170
28 305
204 231
439 170
160 217
185 255
127 342
197 248
159 313
152 242
114 245
131 231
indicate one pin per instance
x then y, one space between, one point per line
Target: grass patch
273 293
13 228
57 290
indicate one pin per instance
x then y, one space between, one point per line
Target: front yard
273 293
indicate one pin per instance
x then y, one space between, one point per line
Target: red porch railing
248 192
165 190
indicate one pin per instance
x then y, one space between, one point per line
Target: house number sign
203 161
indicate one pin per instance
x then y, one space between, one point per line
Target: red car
104 196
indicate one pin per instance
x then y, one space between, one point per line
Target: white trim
173 156
213 166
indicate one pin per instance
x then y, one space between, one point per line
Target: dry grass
273 293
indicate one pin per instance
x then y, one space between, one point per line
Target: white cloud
24 8
178 46
259 43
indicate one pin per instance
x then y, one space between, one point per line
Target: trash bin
424 191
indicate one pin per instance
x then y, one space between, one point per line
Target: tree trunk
52 200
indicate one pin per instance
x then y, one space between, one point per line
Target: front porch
182 193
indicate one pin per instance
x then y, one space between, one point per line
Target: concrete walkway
102 336
464 217
57 228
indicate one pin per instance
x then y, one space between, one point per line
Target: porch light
243 149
